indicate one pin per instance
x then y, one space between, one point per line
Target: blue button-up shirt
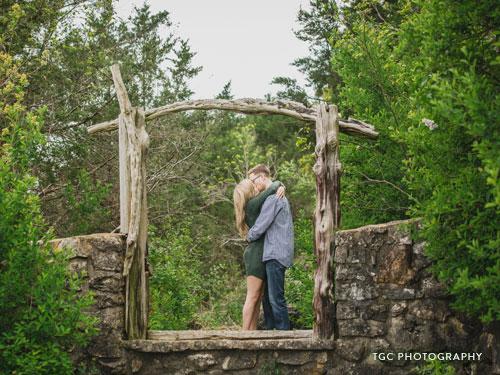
275 220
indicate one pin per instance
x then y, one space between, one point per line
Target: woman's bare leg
254 291
256 313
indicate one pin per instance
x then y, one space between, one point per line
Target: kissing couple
264 219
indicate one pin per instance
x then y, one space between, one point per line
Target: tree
69 74
41 312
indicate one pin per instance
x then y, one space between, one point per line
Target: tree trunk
135 258
326 219
124 174
133 142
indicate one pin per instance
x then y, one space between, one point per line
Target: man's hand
280 193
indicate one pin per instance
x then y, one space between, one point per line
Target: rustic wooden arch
133 145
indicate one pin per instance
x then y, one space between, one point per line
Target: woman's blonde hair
241 195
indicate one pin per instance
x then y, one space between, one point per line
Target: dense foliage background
425 73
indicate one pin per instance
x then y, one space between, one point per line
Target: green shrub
270 368
453 162
226 289
436 367
84 198
427 77
41 314
175 283
186 292
299 288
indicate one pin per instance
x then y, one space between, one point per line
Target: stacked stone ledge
98 258
386 301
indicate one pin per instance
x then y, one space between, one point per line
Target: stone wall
386 301
99 259
218 357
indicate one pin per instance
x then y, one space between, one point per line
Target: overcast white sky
247 42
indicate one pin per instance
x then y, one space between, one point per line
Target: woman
247 206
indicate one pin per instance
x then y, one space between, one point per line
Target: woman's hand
280 193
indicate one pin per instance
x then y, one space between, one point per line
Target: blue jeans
274 303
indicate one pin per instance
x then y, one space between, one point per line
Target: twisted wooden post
133 145
326 219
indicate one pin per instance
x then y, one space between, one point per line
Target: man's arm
266 217
260 198
254 205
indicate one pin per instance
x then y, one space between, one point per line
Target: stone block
352 350
202 361
348 368
377 345
107 281
357 253
341 252
429 309
239 361
411 334
394 265
108 260
432 288
397 334
79 265
489 345
366 310
347 310
378 312
354 291
294 357
135 365
405 240
103 242
396 292
187 371
113 366
353 246
453 333
322 357
111 317
361 328
419 260
399 308
103 300
354 272
71 246
106 345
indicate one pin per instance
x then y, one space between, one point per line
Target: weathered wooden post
326 218
133 145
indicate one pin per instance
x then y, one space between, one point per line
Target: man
275 222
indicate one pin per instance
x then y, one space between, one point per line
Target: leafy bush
299 287
175 282
41 314
427 77
84 202
187 292
436 367
453 161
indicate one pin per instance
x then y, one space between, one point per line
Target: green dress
254 251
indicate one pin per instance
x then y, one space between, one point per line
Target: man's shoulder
275 200
272 198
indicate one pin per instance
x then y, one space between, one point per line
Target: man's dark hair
260 169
